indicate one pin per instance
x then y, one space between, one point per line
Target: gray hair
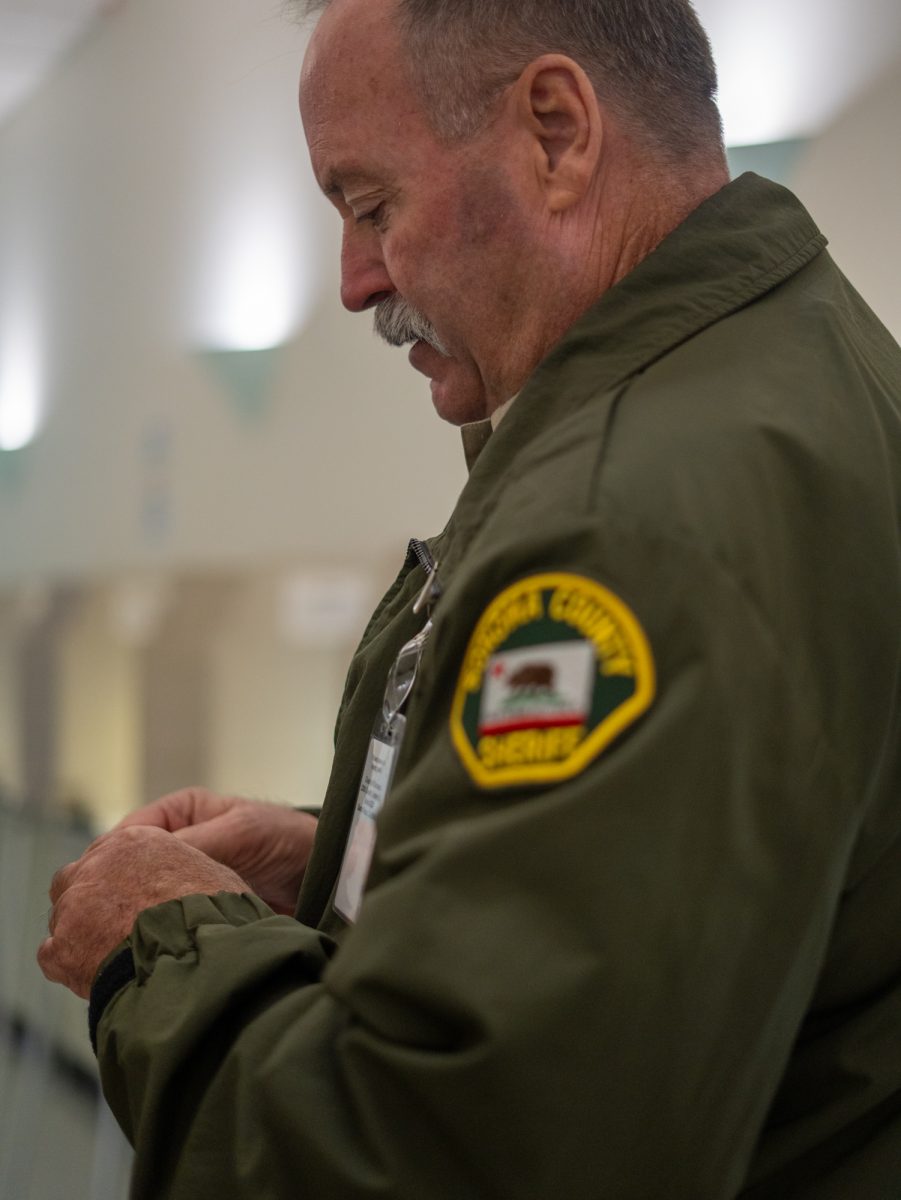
649 61
398 323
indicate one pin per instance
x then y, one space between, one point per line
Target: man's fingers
171 812
181 809
47 961
61 881
158 814
61 903
57 971
97 899
217 838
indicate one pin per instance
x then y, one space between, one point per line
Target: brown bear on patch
533 677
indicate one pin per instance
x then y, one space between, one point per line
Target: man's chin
457 392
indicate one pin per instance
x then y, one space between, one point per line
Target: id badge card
378 773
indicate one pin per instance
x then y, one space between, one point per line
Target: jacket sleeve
581 990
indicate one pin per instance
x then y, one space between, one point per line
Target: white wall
99 712
850 178
122 189
10 738
273 702
251 678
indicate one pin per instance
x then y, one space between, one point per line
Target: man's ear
560 111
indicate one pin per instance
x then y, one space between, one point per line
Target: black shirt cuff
118 972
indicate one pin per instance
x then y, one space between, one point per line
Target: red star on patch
497 670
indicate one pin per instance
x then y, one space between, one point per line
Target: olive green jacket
677 972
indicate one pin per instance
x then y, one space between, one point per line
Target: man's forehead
349 83
362 127
349 39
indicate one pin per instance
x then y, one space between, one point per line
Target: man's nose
364 278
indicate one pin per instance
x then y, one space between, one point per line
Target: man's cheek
485 214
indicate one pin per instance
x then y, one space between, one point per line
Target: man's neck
638 205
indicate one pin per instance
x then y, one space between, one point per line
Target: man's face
433 234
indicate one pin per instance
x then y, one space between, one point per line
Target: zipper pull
432 590
430 594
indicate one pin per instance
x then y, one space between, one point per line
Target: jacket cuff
167 929
116 974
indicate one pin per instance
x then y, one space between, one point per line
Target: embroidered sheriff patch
557 667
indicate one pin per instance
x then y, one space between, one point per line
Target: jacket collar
737 246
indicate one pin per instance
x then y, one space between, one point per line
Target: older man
627 730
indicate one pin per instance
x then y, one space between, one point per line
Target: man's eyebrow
339 179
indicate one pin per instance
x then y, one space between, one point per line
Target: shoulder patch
556 668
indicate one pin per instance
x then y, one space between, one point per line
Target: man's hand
267 844
97 899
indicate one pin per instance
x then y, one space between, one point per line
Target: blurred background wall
209 471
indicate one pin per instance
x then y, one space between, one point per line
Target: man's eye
375 216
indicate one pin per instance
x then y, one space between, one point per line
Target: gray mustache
399 323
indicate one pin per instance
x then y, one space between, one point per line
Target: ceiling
787 67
